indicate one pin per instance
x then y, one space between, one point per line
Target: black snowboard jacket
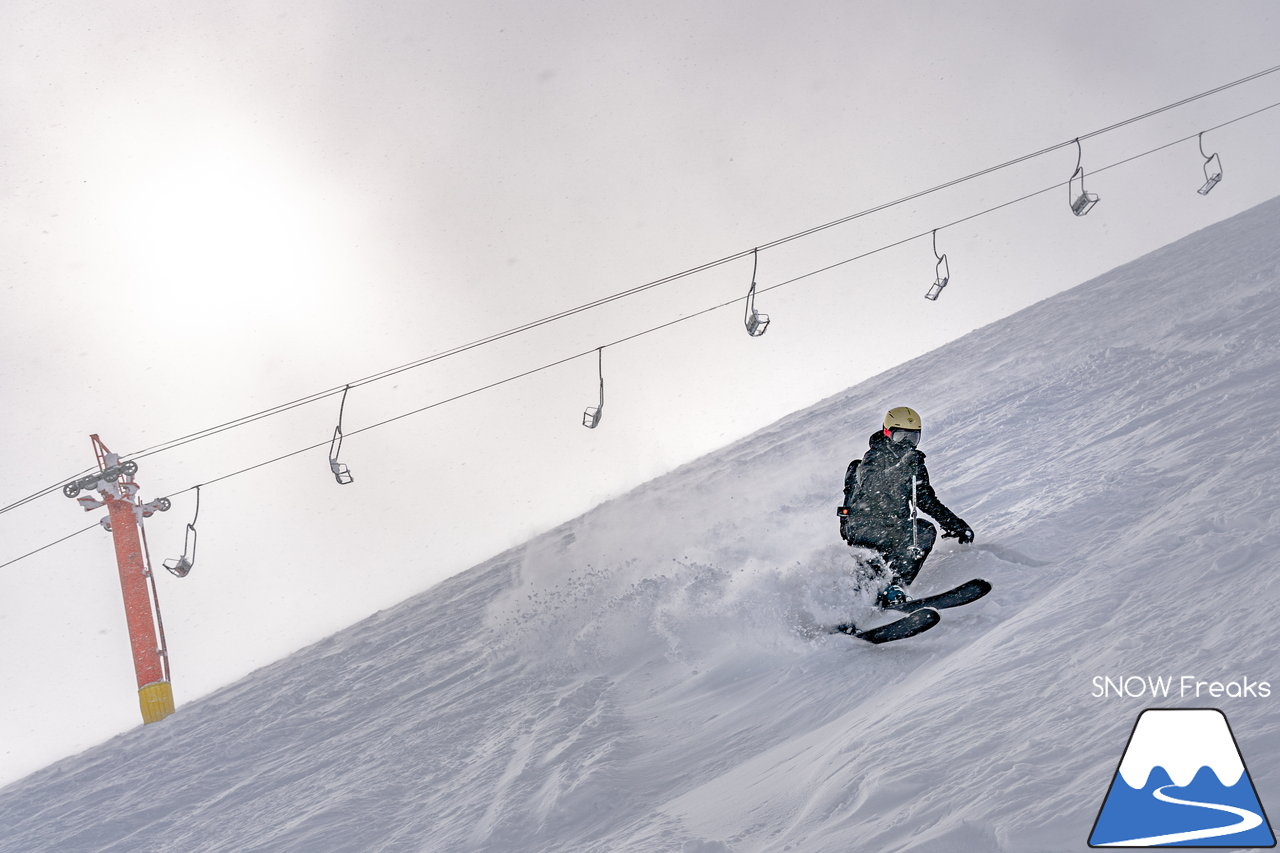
877 492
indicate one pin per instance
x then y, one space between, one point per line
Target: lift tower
119 494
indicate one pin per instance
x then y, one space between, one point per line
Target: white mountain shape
1181 741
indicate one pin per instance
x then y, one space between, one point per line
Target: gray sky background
208 211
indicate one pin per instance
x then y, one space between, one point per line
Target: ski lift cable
375 377
448 400
683 318
719 306
355 432
792 237
462 348
660 327
284 407
668 324
1024 158
1183 102
420 410
1052 188
912 238
47 491
94 526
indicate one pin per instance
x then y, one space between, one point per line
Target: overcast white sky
206 212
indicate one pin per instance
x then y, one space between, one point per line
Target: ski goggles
906 436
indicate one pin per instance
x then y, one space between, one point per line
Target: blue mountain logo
1182 783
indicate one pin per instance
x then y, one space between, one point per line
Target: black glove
964 534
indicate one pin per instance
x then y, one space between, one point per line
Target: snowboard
916 622
965 593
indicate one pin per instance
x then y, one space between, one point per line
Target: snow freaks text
1177 687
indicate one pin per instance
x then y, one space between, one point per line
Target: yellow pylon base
156 701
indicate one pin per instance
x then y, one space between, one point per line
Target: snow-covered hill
636 680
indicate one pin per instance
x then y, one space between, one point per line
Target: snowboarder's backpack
844 510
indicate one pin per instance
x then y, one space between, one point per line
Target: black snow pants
901 554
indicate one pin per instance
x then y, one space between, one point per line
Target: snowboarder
883 492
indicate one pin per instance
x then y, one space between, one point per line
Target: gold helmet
902 418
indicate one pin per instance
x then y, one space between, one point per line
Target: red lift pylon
125 511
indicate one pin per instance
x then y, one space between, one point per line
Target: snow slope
639 680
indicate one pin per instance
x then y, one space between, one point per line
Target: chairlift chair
943 272
181 566
755 322
1081 201
1212 169
591 417
341 472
